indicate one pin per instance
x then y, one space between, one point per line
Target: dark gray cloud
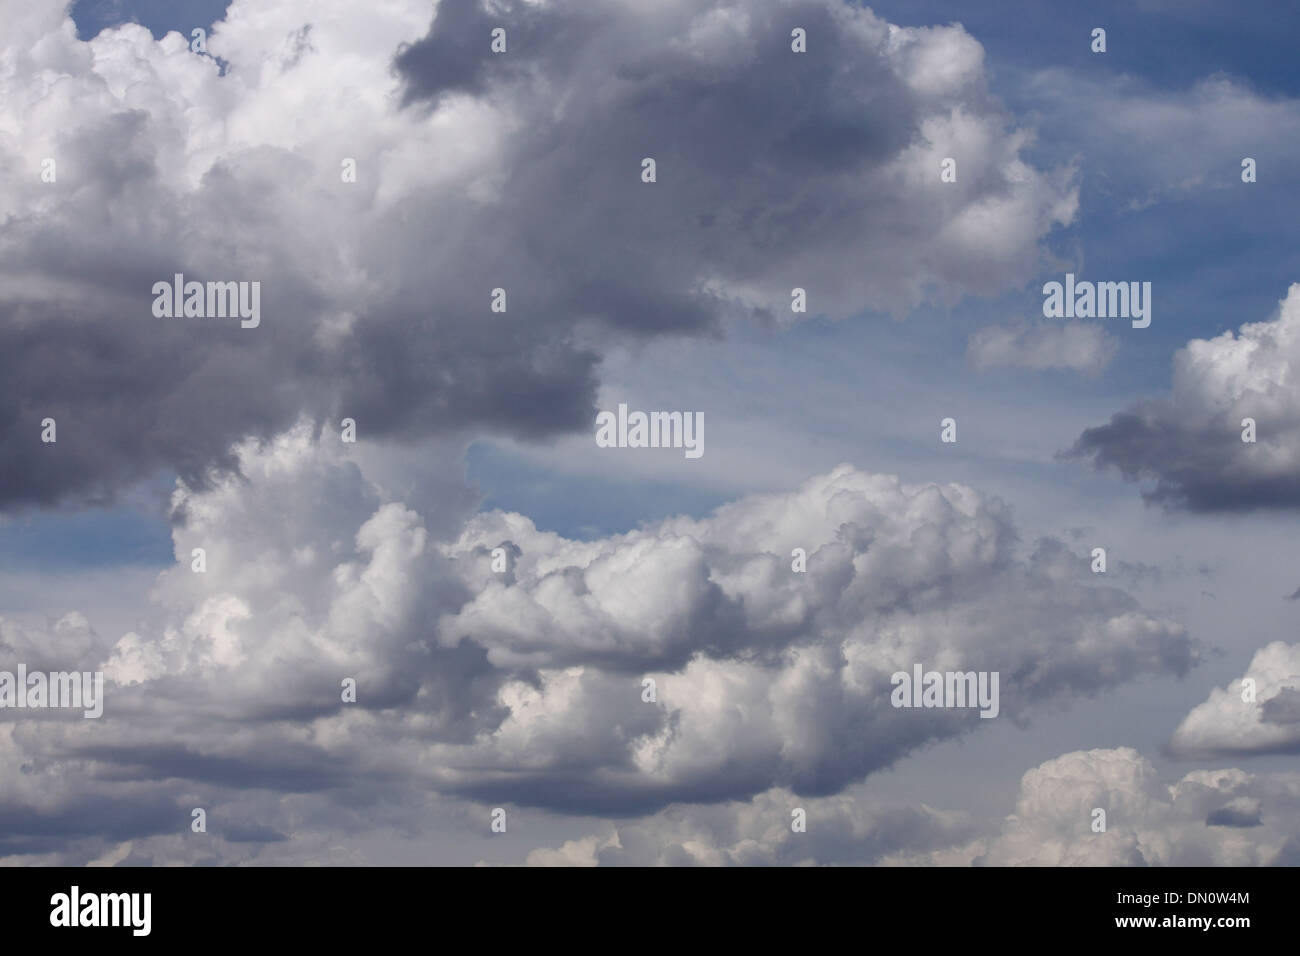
770 164
519 171
455 56
1233 817
1197 465
1190 445
252 833
1283 708
38 829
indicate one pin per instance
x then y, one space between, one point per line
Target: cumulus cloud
846 829
1191 444
1238 720
1077 346
767 676
1208 818
525 687
474 171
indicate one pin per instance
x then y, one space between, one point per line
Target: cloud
1077 346
524 688
1243 812
1166 145
1191 444
518 171
734 119
1268 723
846 829
1208 818
770 677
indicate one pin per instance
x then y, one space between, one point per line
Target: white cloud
764 675
1208 818
848 829
525 688
1268 723
1147 823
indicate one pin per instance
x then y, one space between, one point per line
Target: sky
496 586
